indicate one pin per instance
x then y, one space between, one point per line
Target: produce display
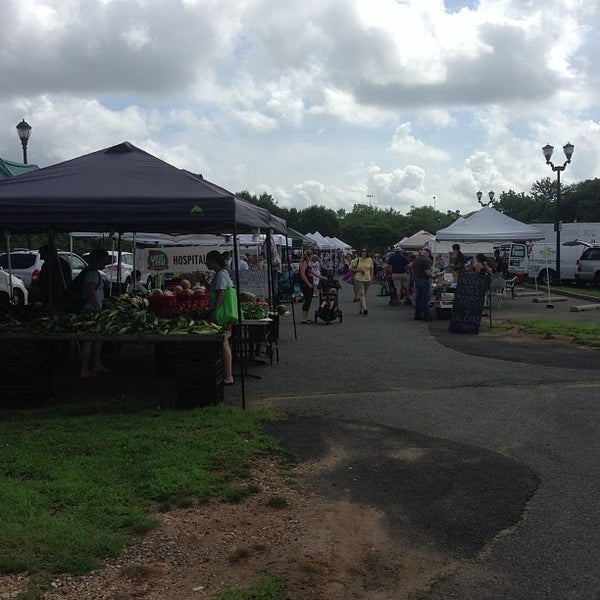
121 315
252 308
183 298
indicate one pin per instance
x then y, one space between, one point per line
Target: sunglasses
364 250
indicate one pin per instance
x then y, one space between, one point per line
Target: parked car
26 264
20 295
588 266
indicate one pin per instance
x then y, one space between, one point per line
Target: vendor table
254 333
194 361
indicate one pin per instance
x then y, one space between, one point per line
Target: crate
169 355
197 368
199 384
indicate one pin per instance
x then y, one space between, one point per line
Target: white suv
588 267
20 295
26 264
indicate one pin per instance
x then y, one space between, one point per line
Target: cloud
320 101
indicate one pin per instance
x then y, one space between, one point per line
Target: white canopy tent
415 241
488 225
323 243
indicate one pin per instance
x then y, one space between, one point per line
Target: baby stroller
328 309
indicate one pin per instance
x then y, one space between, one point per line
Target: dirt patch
334 550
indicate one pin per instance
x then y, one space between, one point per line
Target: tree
426 218
318 218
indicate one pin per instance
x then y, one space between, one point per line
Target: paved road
508 433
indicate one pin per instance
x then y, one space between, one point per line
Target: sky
393 103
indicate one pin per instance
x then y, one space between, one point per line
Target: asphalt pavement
481 448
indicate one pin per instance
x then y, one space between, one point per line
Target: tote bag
227 311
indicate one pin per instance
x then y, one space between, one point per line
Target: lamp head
24 130
548 150
479 194
568 150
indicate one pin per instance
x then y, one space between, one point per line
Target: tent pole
239 325
10 280
291 284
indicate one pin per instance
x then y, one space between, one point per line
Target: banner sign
174 259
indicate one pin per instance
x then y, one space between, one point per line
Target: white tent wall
467 248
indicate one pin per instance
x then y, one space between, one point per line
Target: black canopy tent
123 188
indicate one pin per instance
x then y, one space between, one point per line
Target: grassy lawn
580 334
76 487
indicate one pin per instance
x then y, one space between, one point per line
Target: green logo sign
157 260
196 210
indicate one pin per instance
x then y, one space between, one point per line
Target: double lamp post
568 150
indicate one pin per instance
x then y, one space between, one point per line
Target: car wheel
547 277
18 297
597 280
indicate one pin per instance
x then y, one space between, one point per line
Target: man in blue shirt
398 266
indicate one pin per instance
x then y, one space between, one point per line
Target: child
136 286
316 271
329 299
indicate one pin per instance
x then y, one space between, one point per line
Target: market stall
125 189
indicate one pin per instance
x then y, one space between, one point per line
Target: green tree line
378 228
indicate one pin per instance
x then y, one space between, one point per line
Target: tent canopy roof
9 168
415 241
123 188
488 225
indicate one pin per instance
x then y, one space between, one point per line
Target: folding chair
511 284
498 290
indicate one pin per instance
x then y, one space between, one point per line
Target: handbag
227 311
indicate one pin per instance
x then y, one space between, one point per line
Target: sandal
306 322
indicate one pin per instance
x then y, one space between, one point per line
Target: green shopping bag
227 311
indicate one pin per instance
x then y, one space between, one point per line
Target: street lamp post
490 196
568 150
24 131
370 197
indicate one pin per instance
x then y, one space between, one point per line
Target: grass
592 292
580 334
269 588
76 488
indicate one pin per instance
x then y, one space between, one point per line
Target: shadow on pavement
436 493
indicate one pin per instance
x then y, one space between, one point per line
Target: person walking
306 285
398 265
363 268
422 273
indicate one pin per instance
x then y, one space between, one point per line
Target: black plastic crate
199 384
168 356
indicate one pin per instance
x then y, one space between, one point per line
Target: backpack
73 300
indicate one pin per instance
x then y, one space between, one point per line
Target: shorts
401 280
361 285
